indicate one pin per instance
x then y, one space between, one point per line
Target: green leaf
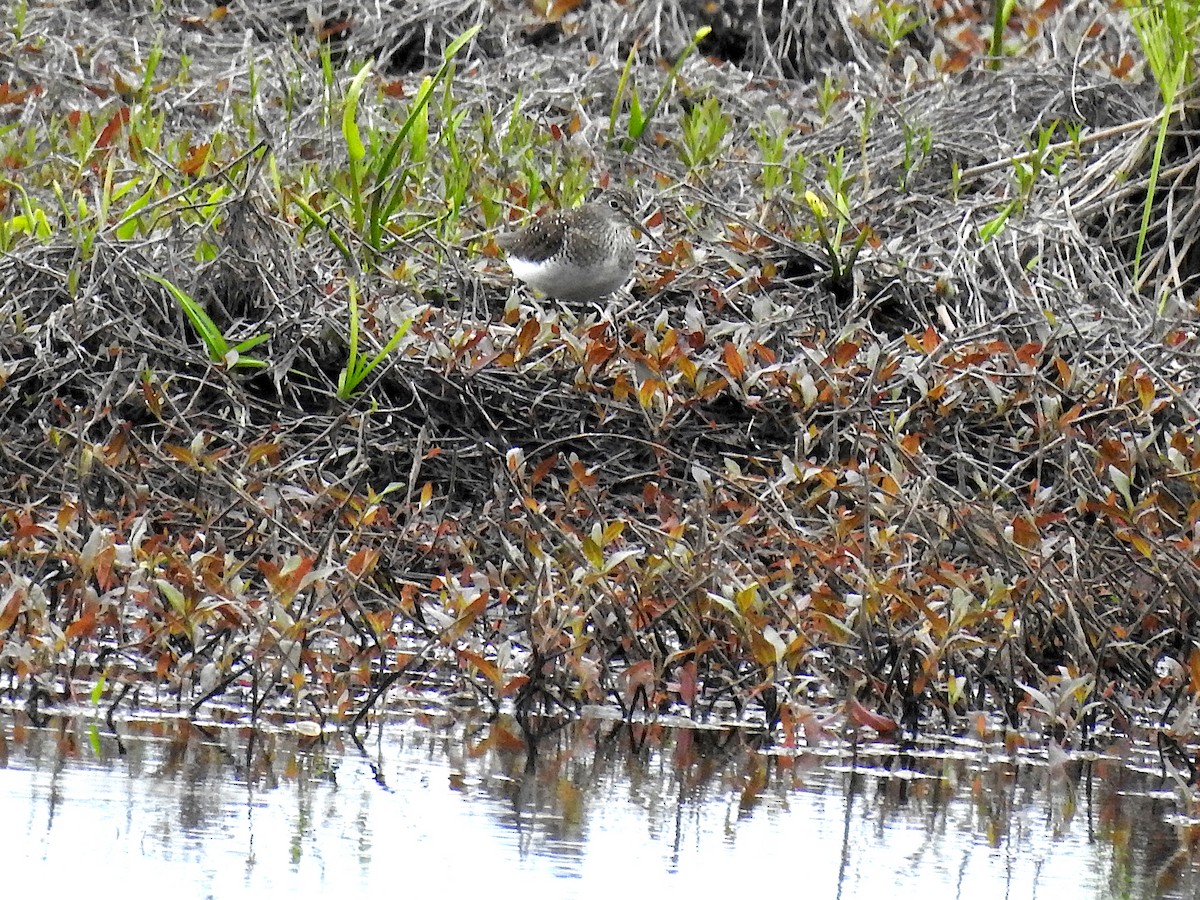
418 148
747 597
214 341
318 219
173 596
206 328
97 690
622 86
990 229
130 222
725 603
384 204
637 120
350 133
251 343
593 553
388 348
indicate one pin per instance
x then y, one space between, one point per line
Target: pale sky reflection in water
178 816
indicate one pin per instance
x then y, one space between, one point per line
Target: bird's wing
542 239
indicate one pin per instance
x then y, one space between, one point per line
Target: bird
576 255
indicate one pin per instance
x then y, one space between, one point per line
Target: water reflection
460 805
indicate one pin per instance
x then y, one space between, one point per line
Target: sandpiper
577 255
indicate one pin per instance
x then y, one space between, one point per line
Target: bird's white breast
572 282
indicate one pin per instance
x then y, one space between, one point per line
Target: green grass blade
622 86
127 227
355 148
701 34
388 348
206 328
383 204
251 343
317 219
1152 183
1002 11
350 132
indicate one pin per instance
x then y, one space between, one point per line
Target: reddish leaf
787 724
11 610
10 97
103 567
687 682
860 715
1025 534
1122 66
27 528
1145 390
1194 670
640 674
194 23
503 739
542 469
845 352
485 667
647 389
362 562
1028 353
118 119
466 618
530 329
598 353
513 685
334 28
765 354
268 452
957 62
733 361
194 162
1065 420
713 388
814 728
582 475
1063 370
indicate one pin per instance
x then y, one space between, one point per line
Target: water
454 806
